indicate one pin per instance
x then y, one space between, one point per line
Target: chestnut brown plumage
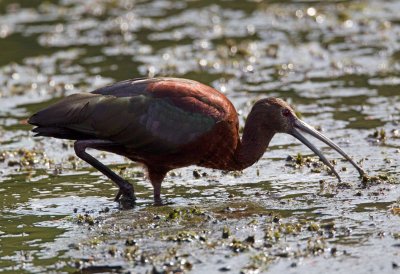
167 123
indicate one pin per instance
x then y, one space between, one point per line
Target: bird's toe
127 202
162 202
126 196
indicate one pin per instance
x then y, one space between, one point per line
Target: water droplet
165 56
311 11
15 76
69 86
299 13
320 19
203 62
348 24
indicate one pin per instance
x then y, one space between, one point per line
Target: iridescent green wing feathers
140 122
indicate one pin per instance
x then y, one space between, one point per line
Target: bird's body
164 123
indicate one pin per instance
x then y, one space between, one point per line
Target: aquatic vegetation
378 135
238 246
25 159
368 180
185 236
184 213
313 227
226 232
395 209
299 161
316 246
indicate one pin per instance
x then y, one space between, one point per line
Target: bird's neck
256 137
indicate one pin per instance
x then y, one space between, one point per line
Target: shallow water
337 62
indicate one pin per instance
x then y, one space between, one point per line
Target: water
337 62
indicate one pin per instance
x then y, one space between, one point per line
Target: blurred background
337 62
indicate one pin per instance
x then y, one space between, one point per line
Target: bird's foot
126 196
126 202
162 202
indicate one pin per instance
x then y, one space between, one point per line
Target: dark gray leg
125 188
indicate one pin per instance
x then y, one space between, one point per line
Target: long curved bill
298 124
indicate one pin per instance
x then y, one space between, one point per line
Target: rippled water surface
337 62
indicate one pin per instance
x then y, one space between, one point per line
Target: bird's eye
286 112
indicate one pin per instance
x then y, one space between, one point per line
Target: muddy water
338 62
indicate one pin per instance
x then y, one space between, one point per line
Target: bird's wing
127 88
144 121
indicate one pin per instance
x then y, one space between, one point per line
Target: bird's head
279 116
276 114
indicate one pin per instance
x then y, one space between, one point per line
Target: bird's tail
61 133
66 118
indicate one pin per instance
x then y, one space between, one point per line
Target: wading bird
168 123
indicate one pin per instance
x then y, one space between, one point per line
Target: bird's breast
217 148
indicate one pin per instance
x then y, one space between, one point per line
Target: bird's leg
157 193
156 177
125 188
